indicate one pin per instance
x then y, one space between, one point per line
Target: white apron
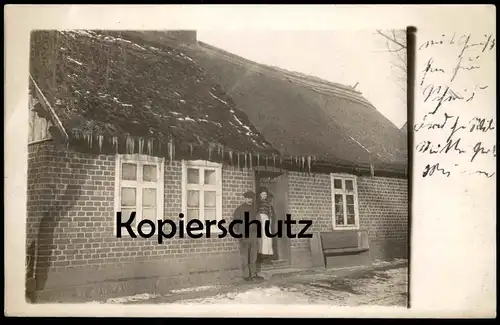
266 243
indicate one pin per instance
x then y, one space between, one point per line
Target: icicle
173 150
170 151
238 160
191 150
258 160
150 146
251 162
372 170
115 143
303 162
141 145
274 161
90 139
218 151
209 152
309 164
222 154
245 160
100 139
231 157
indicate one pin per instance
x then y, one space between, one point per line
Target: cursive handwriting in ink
479 149
432 126
460 67
429 68
455 128
488 175
428 147
481 124
429 170
440 95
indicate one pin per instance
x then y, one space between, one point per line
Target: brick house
158 123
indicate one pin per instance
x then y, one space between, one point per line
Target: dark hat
249 194
264 189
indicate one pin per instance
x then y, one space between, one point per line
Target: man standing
249 245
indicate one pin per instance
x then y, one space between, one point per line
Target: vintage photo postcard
213 125
180 166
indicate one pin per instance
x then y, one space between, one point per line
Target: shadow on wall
58 189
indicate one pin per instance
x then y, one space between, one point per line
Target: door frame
266 172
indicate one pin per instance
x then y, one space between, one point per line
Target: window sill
346 228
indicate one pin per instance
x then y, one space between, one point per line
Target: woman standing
266 212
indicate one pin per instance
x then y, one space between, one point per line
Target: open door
277 183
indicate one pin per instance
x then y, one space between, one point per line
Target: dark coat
239 214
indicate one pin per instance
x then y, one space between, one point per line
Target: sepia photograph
218 167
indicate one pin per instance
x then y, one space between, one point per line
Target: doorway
277 184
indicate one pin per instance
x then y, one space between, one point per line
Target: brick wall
71 215
71 218
383 205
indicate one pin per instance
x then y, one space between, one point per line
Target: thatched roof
107 88
302 115
139 85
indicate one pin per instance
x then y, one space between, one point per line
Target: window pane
128 196
193 199
149 173
193 176
149 197
149 214
350 199
209 199
350 209
210 214
210 177
126 213
337 183
350 219
349 185
129 172
339 209
193 214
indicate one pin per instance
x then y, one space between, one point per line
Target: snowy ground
381 288
387 286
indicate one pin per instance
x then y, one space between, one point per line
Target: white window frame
140 160
202 165
344 192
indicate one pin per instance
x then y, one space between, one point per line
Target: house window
344 202
202 191
139 187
